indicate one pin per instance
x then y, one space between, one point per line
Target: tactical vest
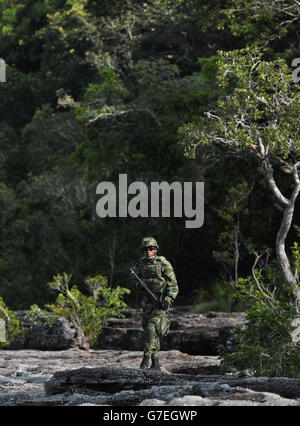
151 274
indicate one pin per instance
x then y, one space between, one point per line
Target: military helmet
149 241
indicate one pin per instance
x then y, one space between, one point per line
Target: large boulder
61 334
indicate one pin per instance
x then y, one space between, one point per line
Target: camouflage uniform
159 276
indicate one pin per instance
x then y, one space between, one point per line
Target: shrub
265 346
36 315
13 327
89 313
219 298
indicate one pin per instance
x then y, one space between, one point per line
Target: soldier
158 274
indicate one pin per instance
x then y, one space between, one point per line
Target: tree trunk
282 259
289 206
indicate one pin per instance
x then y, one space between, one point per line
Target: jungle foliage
95 89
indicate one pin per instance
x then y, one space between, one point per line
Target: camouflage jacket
159 276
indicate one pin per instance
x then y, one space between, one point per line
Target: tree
267 20
274 16
259 116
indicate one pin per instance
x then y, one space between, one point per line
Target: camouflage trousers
156 325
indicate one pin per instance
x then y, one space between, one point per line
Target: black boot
155 363
145 362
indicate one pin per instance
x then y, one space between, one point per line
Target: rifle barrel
145 287
148 291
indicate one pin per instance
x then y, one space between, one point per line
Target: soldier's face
149 252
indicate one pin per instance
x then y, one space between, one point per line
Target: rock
202 333
39 366
283 386
112 378
109 381
131 386
242 397
191 333
177 362
19 370
195 334
60 335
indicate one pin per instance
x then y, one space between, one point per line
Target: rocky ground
108 375
112 378
24 373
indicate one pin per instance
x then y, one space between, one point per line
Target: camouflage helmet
149 241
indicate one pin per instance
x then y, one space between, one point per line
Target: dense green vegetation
95 89
266 344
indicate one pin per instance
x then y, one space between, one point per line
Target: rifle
146 290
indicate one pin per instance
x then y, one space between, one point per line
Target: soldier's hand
166 304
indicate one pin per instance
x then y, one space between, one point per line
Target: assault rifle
146 290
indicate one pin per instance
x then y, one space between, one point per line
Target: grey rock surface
112 378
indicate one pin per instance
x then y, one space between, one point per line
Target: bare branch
5 313
267 170
260 287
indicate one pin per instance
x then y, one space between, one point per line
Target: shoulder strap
160 258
